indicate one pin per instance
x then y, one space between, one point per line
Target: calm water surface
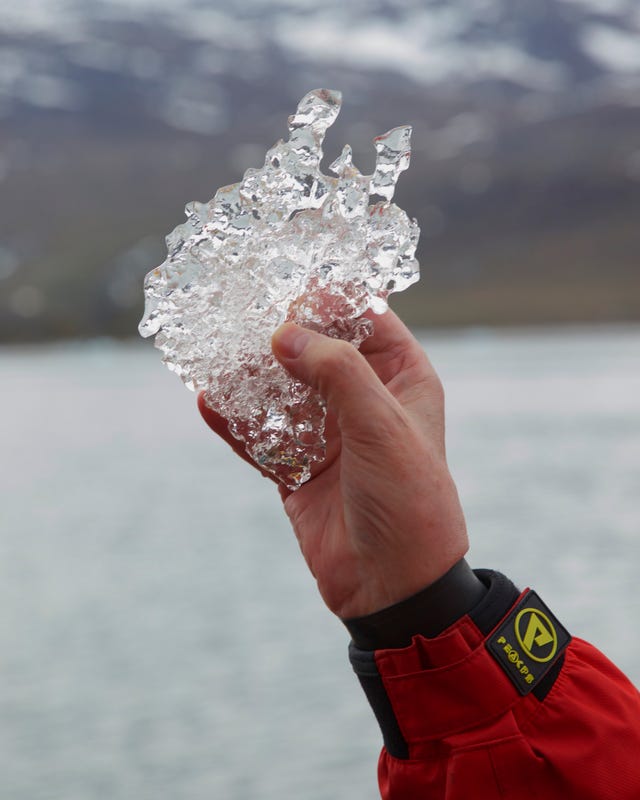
159 635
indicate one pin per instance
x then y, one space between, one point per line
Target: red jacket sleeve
502 704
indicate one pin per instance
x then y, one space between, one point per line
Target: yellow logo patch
528 642
536 634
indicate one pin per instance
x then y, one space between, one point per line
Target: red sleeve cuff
438 686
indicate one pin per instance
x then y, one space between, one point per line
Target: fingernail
290 340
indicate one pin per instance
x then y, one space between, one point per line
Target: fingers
388 332
394 351
219 425
342 376
369 397
398 359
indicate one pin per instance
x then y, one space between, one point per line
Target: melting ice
287 243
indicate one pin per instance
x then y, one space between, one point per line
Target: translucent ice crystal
287 243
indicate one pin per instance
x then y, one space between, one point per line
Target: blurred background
526 148
159 635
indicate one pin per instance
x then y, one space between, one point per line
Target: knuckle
338 359
341 374
436 387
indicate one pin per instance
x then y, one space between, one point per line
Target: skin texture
380 518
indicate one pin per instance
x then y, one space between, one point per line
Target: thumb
339 373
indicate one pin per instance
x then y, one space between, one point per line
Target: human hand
380 518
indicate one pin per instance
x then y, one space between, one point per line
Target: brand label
528 642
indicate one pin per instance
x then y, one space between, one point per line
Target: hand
380 518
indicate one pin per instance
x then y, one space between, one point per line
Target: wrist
428 612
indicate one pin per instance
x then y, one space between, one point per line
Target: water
159 635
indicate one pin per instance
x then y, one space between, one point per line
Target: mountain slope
525 175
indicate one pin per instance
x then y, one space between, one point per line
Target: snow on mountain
196 65
541 45
526 159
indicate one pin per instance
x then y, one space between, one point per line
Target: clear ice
288 243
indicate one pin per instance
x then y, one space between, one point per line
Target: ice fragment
287 243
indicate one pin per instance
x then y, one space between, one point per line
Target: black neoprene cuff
428 612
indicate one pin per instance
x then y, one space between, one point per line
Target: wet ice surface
288 243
